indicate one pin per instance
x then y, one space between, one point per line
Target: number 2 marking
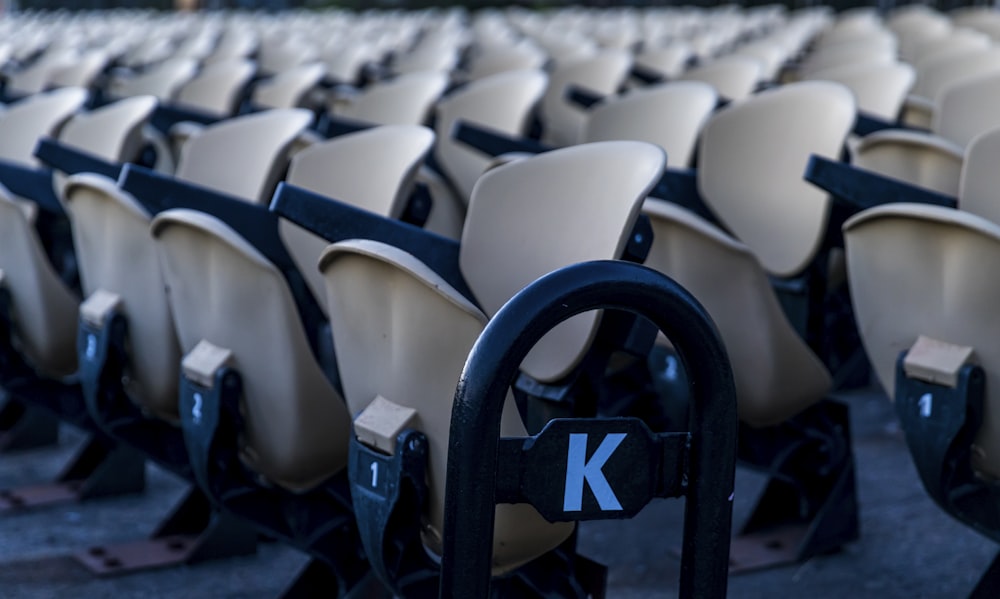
374 468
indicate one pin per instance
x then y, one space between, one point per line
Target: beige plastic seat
750 166
669 61
216 89
35 77
373 169
775 372
919 158
404 100
938 73
501 59
670 115
925 270
244 156
879 89
82 72
967 109
162 80
296 424
502 102
23 123
956 42
45 307
117 255
390 309
288 89
845 55
733 77
603 74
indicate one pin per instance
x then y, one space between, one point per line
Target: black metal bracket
337 221
24 426
319 521
389 494
859 189
71 160
103 366
940 424
474 451
809 506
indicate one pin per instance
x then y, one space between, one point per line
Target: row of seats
679 138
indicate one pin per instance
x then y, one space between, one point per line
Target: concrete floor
909 548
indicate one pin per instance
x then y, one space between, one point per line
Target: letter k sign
578 470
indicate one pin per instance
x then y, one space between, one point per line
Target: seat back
289 88
980 182
967 109
117 254
162 80
507 57
879 89
925 270
775 372
530 217
502 102
940 73
733 77
45 310
750 166
670 115
919 158
82 72
23 123
112 132
296 424
244 156
670 60
372 169
217 88
602 73
409 335
404 100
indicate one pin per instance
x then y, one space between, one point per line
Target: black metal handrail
493 363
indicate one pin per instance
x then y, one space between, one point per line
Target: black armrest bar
335 126
337 221
646 75
494 143
72 161
31 183
867 123
860 189
680 186
582 97
166 116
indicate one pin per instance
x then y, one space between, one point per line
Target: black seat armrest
680 186
166 116
494 143
31 183
71 161
335 221
646 75
581 96
332 125
858 189
865 124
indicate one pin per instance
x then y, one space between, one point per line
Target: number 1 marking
925 403
374 467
